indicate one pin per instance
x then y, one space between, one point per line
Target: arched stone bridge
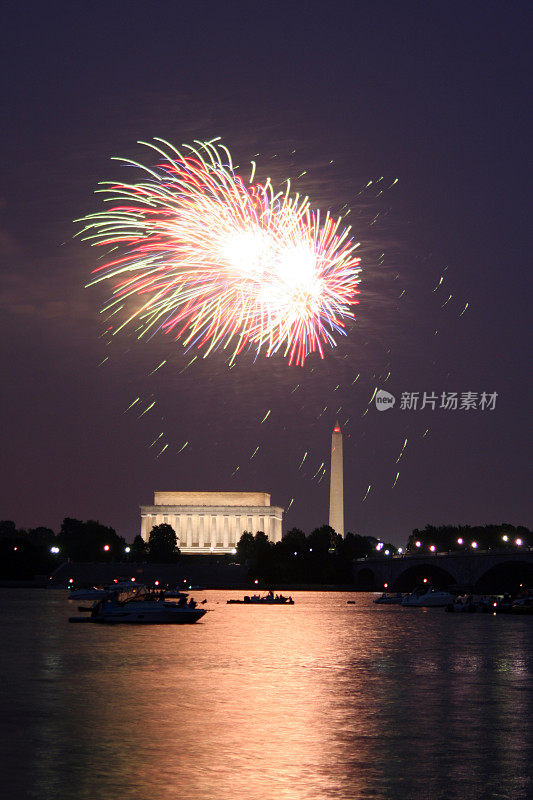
486 571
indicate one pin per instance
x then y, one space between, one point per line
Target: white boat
142 608
91 593
389 599
98 592
428 596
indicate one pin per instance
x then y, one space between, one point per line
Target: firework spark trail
322 475
401 451
146 410
395 480
182 447
318 470
188 365
366 493
266 416
158 367
217 263
132 404
303 459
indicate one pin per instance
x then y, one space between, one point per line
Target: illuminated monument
212 522
336 498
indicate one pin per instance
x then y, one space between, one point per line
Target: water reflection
317 700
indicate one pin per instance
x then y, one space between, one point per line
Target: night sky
434 94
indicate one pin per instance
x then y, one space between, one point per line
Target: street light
459 541
432 548
127 549
505 537
474 545
54 550
106 547
518 542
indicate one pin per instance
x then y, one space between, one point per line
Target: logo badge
384 400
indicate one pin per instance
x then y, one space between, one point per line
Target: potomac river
317 700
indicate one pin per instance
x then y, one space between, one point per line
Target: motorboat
429 597
513 605
268 599
146 607
98 592
177 592
90 593
389 599
464 604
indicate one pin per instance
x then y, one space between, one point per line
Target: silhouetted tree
245 548
8 528
162 544
262 545
86 541
44 537
139 549
356 546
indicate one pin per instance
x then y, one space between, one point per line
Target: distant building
336 486
212 522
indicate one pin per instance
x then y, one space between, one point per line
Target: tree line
319 557
457 538
38 551
322 557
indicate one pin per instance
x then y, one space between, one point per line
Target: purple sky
434 94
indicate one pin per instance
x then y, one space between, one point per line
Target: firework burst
196 253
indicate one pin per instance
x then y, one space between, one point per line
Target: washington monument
336 501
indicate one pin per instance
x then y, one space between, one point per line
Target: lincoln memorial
212 522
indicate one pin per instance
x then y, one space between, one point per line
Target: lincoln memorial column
225 534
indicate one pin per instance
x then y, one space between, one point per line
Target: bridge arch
414 575
365 579
509 576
